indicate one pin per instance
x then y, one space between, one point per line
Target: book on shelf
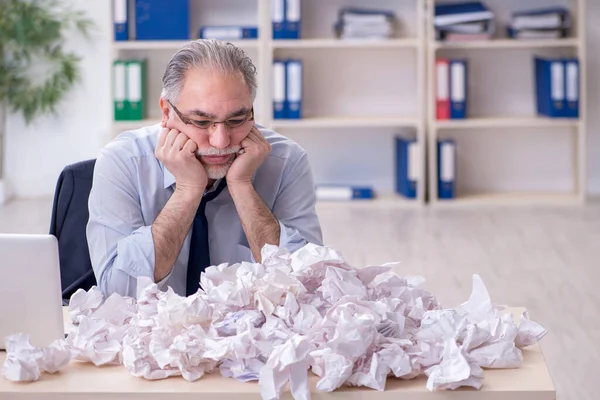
286 18
129 90
121 19
557 84
407 167
543 23
162 20
228 32
287 88
451 88
464 22
334 192
362 23
458 13
446 164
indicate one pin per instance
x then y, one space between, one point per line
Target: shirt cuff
289 239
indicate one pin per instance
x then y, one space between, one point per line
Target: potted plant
36 72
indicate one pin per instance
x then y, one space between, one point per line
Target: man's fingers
173 133
190 147
180 141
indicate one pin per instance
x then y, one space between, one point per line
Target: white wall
35 155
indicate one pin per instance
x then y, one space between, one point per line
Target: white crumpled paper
25 362
276 321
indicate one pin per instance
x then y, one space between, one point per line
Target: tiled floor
547 260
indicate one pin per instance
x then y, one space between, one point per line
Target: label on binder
458 82
135 82
557 90
572 79
447 162
278 17
442 90
120 12
134 90
294 89
413 162
279 90
292 20
121 110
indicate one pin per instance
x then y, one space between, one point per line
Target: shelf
495 44
344 43
345 122
511 199
171 44
380 202
506 122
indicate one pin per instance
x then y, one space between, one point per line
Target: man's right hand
177 152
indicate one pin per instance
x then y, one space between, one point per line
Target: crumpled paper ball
276 321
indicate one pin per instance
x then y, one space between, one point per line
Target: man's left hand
255 150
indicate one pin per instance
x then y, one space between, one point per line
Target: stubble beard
217 171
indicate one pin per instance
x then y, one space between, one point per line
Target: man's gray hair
209 53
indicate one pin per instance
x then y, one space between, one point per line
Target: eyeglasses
232 123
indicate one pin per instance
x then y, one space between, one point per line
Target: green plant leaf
32 32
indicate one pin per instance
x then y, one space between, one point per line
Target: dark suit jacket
68 223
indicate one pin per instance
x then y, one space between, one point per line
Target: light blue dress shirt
131 187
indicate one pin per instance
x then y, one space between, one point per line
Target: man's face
211 96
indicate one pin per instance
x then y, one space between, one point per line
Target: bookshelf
370 111
360 94
514 126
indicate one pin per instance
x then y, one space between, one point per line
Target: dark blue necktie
199 258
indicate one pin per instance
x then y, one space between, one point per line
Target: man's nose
220 137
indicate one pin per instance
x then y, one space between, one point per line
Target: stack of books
358 23
545 23
463 22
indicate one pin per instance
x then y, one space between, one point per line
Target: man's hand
255 151
176 151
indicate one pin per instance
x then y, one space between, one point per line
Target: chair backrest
68 223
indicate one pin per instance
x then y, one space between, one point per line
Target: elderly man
205 186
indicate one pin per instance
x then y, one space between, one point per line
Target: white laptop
30 290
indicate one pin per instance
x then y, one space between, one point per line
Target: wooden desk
86 381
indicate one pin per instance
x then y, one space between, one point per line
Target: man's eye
203 124
235 122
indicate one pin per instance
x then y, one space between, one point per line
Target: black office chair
68 223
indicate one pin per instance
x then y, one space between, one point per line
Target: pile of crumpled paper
275 321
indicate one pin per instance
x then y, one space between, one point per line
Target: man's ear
165 112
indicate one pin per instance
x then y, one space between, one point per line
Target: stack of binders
129 90
557 85
287 89
154 19
357 23
407 167
464 22
228 32
287 16
451 88
545 23
446 157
